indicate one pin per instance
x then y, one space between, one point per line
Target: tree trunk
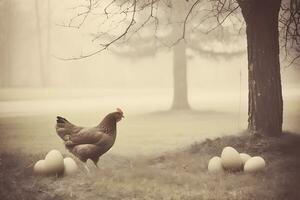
7 17
48 50
265 107
180 93
41 63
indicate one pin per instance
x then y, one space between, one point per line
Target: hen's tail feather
61 120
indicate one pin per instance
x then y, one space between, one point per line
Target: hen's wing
65 128
86 136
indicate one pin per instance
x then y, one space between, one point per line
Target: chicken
89 143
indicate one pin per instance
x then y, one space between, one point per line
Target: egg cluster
55 164
232 160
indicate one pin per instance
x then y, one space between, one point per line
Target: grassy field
153 157
178 175
138 134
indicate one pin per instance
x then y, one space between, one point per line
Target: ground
159 154
177 175
27 117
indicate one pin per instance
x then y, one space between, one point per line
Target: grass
148 133
177 175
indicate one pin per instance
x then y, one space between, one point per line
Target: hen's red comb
119 110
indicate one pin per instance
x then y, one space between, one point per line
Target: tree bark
180 91
265 108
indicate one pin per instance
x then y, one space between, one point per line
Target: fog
85 90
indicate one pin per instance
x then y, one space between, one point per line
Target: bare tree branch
135 15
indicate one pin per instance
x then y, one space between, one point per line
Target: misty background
37 84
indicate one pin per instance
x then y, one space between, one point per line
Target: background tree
22 25
265 111
48 48
180 85
39 39
6 23
43 38
172 16
140 47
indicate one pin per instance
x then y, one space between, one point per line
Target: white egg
40 168
54 162
244 157
231 159
70 166
215 165
255 164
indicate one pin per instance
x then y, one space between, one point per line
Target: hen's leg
69 143
87 169
95 161
66 137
